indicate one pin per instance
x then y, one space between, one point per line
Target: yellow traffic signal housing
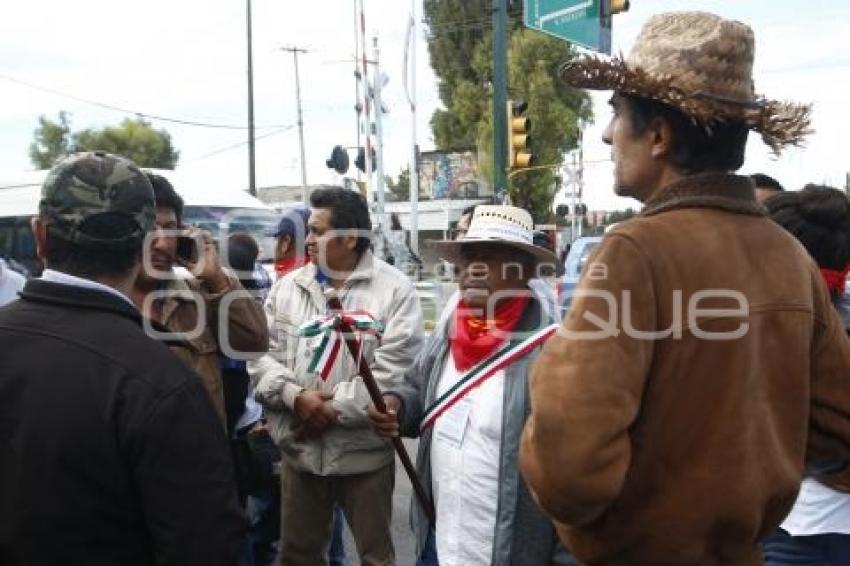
519 141
618 6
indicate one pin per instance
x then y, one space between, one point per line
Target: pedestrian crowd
165 400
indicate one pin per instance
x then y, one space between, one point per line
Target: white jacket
351 446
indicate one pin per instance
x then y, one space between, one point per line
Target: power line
240 144
128 111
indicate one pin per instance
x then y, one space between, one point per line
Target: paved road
402 537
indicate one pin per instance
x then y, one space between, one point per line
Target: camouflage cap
85 185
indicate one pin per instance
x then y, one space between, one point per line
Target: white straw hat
500 224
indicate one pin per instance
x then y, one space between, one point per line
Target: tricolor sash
327 353
481 372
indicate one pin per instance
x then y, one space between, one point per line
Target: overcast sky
186 59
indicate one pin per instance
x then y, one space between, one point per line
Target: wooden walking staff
375 393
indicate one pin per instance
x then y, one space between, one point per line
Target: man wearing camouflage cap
111 453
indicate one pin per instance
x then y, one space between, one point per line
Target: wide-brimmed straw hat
506 225
702 65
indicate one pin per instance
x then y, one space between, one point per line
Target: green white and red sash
326 354
484 370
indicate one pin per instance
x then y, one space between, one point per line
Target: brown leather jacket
689 446
245 329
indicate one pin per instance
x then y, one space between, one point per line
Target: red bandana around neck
284 266
836 279
474 338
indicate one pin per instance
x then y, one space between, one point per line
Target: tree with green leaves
401 186
135 139
52 141
460 45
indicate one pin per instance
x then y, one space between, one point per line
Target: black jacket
110 451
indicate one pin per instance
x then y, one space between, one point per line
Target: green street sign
581 22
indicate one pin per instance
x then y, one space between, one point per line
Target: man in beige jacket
331 455
701 366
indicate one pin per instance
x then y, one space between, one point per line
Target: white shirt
53 276
10 283
818 510
465 453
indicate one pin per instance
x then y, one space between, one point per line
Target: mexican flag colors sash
481 372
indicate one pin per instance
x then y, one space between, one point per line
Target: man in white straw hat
701 365
466 397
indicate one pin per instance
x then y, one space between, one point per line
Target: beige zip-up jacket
351 446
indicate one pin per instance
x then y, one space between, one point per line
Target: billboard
451 175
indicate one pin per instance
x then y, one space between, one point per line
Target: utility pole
305 196
379 134
500 96
410 87
252 183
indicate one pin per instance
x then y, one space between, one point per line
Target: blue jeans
429 553
782 549
336 554
264 527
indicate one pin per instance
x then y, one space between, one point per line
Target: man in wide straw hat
466 398
701 366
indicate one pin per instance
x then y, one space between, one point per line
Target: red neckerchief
284 266
835 279
476 338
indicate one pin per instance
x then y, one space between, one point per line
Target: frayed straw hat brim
779 123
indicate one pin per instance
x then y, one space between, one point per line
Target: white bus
219 209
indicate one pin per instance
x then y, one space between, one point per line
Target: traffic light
338 160
519 152
360 162
562 211
608 8
616 6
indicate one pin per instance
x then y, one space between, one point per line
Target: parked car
574 263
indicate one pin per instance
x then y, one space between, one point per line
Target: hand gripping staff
375 393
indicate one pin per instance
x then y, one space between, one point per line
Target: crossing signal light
562 211
338 160
519 140
360 162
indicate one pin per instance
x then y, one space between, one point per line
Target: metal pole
358 107
414 165
580 174
364 79
500 96
379 135
573 202
252 183
305 196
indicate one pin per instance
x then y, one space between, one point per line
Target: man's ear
661 138
39 232
350 241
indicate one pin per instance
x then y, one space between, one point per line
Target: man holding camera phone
196 310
